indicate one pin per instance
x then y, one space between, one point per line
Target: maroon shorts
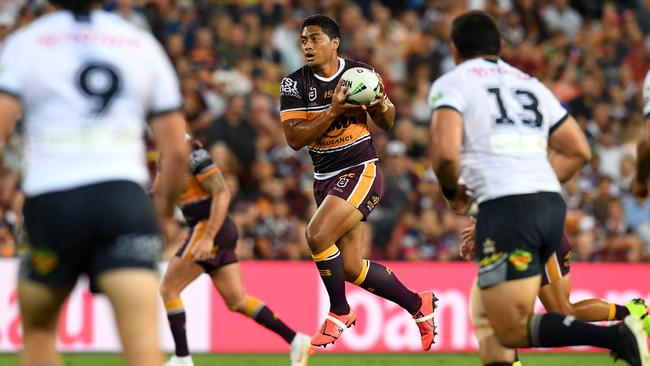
361 186
224 245
559 264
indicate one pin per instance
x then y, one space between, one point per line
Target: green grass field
557 359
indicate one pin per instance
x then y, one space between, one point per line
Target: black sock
330 267
556 330
381 281
176 317
265 317
621 312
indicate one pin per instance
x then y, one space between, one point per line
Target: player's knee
237 305
512 333
351 272
167 292
317 239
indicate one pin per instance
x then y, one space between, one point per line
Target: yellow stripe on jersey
363 187
285 116
200 177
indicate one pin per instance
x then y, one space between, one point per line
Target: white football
363 84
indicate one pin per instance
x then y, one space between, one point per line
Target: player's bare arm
9 112
214 184
301 132
381 110
569 149
169 133
446 142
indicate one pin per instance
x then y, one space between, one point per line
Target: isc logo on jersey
363 84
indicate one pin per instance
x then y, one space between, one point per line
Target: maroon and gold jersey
347 142
195 201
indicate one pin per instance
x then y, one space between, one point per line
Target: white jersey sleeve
166 97
646 95
552 110
446 92
12 69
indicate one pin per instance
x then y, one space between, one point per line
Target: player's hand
340 99
461 202
380 102
467 244
203 249
639 188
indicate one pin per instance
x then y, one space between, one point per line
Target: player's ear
336 42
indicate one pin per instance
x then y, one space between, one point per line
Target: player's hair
327 24
475 33
76 5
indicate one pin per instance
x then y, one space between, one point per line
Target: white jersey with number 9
507 119
87 85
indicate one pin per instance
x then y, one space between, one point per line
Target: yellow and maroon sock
330 267
381 281
617 312
176 317
258 311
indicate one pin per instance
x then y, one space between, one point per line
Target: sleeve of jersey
291 102
11 68
556 114
201 164
167 95
446 92
646 96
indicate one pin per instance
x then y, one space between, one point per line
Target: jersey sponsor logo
488 246
312 94
337 128
436 97
198 157
566 261
520 259
487 263
289 88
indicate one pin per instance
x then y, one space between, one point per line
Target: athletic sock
176 317
256 310
381 281
556 330
617 312
330 267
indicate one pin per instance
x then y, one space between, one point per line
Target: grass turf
555 359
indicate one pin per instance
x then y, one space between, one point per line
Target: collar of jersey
341 66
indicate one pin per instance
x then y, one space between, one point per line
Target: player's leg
381 281
509 278
124 265
227 279
40 307
134 297
556 288
180 273
490 351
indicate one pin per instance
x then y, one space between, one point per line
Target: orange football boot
424 319
332 328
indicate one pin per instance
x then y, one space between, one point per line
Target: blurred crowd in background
231 56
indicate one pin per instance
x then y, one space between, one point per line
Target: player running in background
348 183
495 123
86 81
210 248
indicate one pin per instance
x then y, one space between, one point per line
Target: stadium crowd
231 56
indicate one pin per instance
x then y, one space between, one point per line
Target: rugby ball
363 85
